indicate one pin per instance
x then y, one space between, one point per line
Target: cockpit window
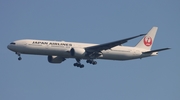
12 43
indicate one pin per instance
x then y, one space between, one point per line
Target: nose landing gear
19 58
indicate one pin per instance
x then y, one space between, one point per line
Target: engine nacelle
55 59
78 52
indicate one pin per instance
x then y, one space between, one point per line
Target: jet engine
55 59
78 52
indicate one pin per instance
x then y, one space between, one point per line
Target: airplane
59 51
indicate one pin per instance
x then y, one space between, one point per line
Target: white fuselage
62 49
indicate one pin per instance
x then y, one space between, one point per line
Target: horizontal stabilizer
156 50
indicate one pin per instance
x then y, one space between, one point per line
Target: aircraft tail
148 39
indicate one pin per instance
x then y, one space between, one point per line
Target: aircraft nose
9 47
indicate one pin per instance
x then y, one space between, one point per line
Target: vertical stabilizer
148 39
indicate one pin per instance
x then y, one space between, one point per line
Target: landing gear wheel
94 62
19 58
75 64
81 66
89 61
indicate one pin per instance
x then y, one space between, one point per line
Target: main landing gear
78 64
91 61
19 58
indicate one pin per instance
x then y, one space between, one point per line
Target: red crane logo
147 40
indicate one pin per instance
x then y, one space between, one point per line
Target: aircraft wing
155 50
105 46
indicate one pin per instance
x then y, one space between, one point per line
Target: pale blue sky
98 21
